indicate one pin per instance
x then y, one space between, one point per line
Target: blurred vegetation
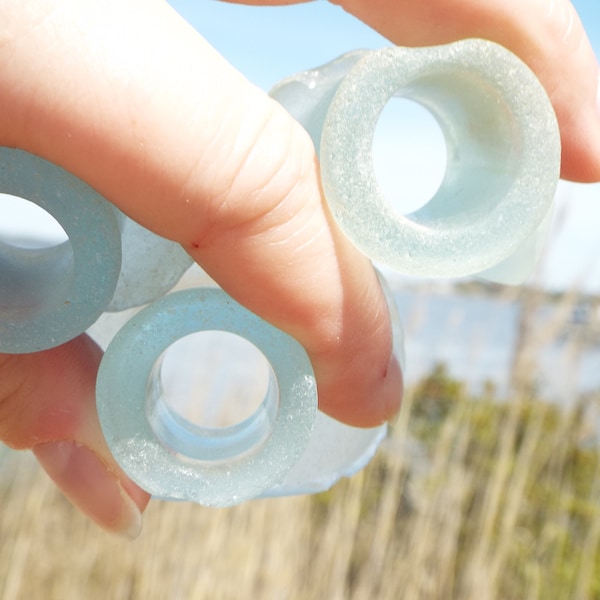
533 500
469 498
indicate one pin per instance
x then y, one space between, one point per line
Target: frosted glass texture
503 150
50 296
172 458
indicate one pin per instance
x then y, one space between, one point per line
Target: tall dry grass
471 499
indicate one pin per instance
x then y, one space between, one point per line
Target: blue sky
269 43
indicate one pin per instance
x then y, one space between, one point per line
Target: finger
547 34
131 99
47 402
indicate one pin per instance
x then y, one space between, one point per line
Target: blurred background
488 485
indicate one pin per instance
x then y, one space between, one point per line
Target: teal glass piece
334 451
150 267
174 459
49 296
518 266
307 96
503 149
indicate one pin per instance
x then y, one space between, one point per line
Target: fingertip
360 379
93 487
56 417
368 403
579 121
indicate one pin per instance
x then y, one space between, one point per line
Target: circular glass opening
212 396
409 155
36 260
24 224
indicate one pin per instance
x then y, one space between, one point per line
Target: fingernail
91 486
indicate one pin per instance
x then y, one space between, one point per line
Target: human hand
132 100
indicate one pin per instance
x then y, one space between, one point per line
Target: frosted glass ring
210 466
502 141
49 296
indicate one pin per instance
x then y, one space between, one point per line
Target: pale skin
130 98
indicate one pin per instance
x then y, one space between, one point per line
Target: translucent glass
49 296
503 149
172 459
336 450
150 265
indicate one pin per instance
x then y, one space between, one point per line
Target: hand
132 100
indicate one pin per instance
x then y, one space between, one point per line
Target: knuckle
257 189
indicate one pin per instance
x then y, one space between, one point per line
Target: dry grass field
470 499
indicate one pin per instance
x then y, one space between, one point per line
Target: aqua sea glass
503 150
175 460
286 447
109 262
150 266
49 296
333 452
